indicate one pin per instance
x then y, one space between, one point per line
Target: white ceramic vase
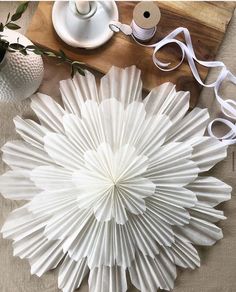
20 76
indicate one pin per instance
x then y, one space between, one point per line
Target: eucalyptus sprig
17 47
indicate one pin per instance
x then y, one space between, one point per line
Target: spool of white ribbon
228 106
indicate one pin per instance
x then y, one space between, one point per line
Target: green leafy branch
25 50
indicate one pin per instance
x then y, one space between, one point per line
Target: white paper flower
114 184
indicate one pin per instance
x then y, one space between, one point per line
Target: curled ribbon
228 107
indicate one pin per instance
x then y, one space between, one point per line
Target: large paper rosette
114 184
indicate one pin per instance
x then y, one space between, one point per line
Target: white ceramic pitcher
20 76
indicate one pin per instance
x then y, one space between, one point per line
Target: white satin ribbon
228 106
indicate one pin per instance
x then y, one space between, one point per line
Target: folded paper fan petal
71 274
180 173
121 126
77 131
76 91
47 257
123 84
29 241
68 222
107 279
139 234
53 201
30 131
21 155
200 232
207 151
21 223
93 120
204 211
63 152
210 190
69 96
117 246
168 153
103 243
168 212
166 101
178 196
193 124
86 87
52 178
113 114
159 272
16 185
150 226
184 254
42 254
172 165
135 115
153 134
29 245
48 111
26 230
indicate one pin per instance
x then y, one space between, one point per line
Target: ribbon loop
230 137
228 107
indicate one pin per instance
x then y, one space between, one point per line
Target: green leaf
77 63
22 7
8 16
16 16
1 27
79 70
38 52
16 46
12 26
23 52
19 11
62 55
31 47
50 54
4 44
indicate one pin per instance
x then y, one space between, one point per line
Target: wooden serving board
207 22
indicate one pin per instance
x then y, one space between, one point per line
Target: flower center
113 183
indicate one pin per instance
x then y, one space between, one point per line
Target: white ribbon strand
228 107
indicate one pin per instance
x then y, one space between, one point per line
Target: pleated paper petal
107 279
165 100
159 272
76 91
48 112
123 84
30 131
71 274
210 190
16 185
21 155
112 183
192 125
184 254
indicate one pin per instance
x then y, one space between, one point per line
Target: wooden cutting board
207 22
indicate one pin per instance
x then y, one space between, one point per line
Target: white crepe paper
114 184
